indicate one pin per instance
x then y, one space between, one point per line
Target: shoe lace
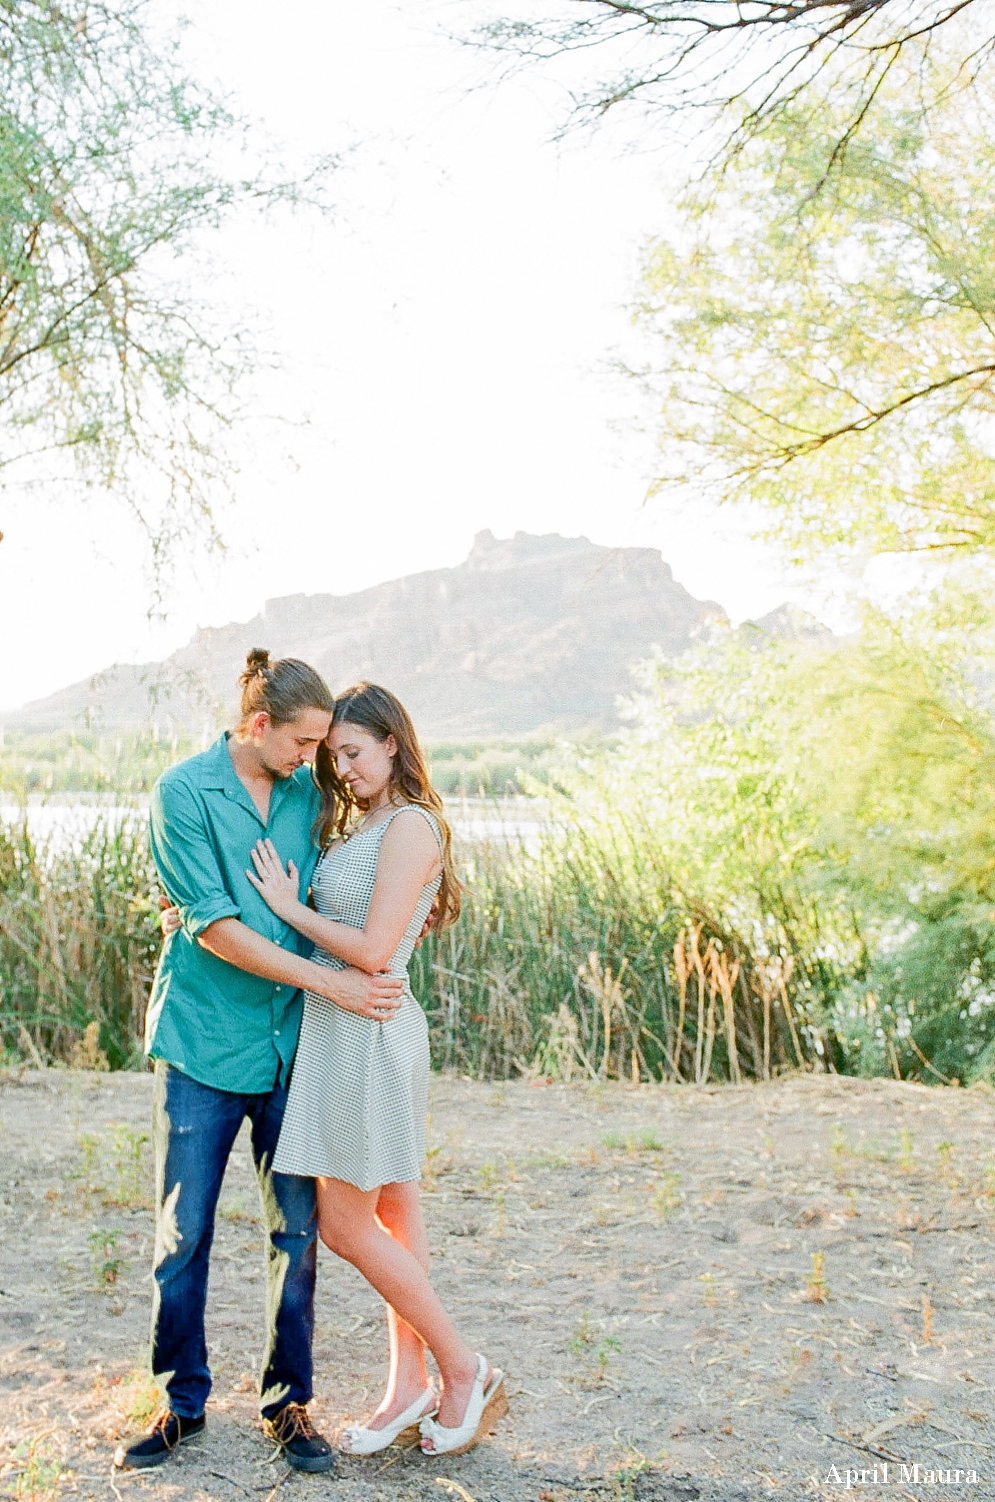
160 1423
293 1420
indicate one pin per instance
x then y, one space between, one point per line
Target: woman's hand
280 889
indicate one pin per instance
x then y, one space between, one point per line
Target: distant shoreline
63 817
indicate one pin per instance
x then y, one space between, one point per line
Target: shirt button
277 990
276 1032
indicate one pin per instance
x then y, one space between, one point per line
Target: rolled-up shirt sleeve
185 859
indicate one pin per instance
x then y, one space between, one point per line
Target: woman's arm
376 996
409 859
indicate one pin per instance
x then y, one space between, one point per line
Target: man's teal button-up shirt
216 1023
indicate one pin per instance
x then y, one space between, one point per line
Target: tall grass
570 961
786 861
78 941
577 958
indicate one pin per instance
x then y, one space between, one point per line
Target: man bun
282 689
257 661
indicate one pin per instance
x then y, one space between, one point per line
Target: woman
355 1118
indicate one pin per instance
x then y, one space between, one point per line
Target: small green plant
141 1398
106 1266
128 1165
906 1156
946 1152
815 1283
595 1353
709 1295
488 1174
547 1160
625 1477
582 1337
499 1225
39 1472
666 1198
89 1147
438 1162
603 1353
112 1164
645 1141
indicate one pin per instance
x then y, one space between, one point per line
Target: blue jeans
194 1128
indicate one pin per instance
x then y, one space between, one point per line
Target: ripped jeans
194 1128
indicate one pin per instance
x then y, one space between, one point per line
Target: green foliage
492 768
112 162
128 763
39 1470
808 824
867 845
787 860
106 1263
821 318
86 762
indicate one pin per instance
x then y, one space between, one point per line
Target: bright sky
448 332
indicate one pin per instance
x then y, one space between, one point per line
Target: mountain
529 633
791 623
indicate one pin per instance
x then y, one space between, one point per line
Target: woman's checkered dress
359 1092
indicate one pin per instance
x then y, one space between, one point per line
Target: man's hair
284 689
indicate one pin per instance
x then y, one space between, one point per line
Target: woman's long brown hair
376 710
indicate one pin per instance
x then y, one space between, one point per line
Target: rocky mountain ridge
529 633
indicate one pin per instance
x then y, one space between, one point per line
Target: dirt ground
720 1293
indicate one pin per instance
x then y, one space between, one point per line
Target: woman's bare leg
349 1226
399 1212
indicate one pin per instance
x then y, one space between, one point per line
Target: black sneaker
166 1432
302 1445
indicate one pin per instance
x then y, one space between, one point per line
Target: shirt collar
218 771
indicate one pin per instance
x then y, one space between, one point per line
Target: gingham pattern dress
359 1092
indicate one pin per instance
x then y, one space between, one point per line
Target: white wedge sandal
484 1407
363 1441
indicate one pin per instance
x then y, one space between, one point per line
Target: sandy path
646 1263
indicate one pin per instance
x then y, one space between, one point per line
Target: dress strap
426 814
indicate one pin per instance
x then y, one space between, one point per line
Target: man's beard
277 773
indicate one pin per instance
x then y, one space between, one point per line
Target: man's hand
431 922
169 917
375 996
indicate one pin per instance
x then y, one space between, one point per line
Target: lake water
65 820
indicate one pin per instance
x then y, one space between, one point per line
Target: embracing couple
298 1015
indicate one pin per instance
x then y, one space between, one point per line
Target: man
222 1028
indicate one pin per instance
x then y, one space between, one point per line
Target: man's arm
210 916
376 996
185 859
